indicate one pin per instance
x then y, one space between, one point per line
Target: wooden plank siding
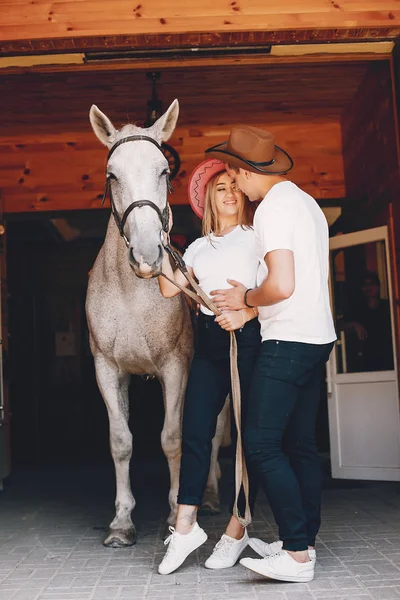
371 166
66 175
24 19
51 160
370 147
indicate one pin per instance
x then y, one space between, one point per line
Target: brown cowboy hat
252 149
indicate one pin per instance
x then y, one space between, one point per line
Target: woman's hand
171 220
231 320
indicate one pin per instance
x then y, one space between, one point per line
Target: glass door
363 400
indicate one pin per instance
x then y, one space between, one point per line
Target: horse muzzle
143 268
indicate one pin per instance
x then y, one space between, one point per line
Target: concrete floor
53 520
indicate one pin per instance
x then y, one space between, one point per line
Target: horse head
137 180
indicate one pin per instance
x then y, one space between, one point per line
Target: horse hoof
165 531
209 509
172 517
119 538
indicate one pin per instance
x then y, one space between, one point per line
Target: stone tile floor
52 522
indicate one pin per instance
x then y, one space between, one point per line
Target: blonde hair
210 218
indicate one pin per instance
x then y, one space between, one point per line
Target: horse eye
165 172
111 176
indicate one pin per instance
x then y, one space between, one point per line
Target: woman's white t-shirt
214 259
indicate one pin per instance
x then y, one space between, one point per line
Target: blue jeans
280 436
208 385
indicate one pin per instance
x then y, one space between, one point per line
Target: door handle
343 349
328 379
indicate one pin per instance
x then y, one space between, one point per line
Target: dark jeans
280 436
208 385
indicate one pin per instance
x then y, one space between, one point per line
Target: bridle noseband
162 215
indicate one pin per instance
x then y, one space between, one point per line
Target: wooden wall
26 20
68 172
51 160
370 149
371 165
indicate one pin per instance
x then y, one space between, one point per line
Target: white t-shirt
290 219
216 259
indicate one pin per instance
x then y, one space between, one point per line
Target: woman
225 251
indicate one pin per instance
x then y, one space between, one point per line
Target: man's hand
230 299
360 330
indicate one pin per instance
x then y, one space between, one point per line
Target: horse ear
102 126
167 123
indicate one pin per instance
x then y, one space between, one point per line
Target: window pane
362 308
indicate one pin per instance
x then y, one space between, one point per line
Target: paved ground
52 524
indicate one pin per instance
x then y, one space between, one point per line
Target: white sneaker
226 552
281 566
179 548
263 549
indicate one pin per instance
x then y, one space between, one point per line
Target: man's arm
277 286
279 283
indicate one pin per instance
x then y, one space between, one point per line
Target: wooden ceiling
29 20
47 101
51 160
49 157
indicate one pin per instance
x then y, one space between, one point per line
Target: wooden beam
189 63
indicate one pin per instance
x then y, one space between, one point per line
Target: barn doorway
340 127
58 414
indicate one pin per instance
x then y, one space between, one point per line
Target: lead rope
241 475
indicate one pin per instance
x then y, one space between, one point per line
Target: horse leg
211 502
173 381
113 386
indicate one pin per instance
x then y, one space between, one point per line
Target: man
297 334
369 345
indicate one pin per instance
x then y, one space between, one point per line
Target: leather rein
120 222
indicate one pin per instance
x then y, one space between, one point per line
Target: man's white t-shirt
214 259
290 219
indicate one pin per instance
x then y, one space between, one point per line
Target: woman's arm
168 289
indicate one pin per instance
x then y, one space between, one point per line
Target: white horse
133 329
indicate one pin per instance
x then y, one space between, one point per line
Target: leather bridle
120 222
